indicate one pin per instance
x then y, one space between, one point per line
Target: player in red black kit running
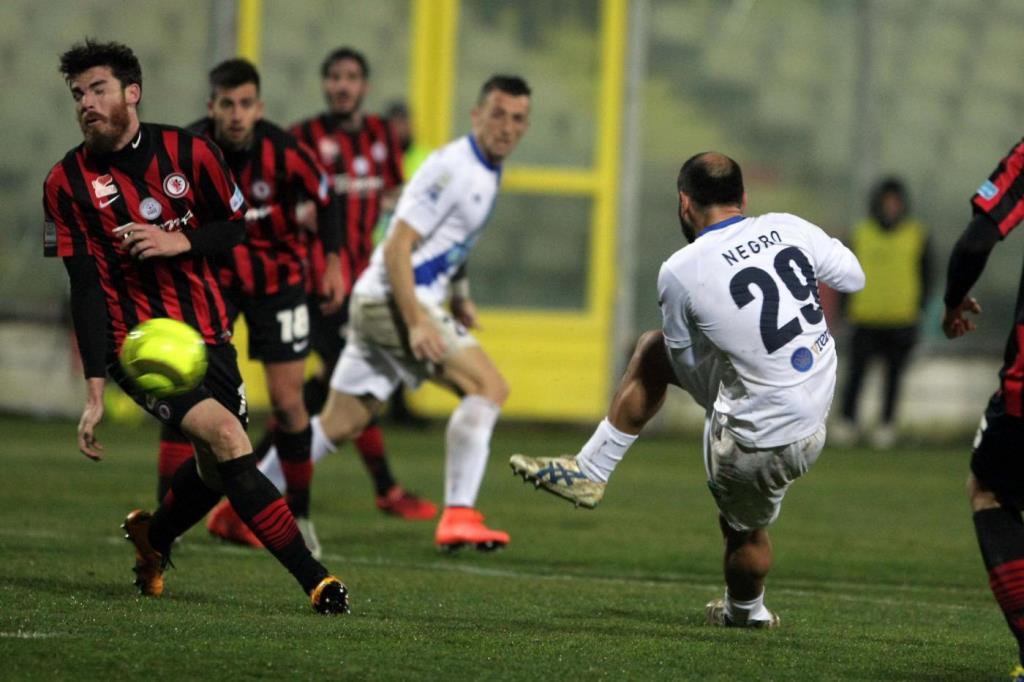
363 158
995 485
135 212
265 277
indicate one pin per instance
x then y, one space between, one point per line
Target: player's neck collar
721 224
496 167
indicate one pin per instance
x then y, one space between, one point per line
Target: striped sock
187 501
1001 538
175 450
297 467
370 445
262 508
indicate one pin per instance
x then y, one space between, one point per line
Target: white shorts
748 484
377 356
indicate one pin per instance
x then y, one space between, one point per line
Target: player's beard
687 228
103 139
355 105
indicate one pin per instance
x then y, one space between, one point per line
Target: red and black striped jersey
275 174
167 177
1001 198
362 165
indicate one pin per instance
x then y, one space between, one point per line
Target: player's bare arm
424 340
966 263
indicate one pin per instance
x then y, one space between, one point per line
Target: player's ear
133 93
259 109
209 107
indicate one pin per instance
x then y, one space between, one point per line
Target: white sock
320 447
270 467
741 612
467 446
603 451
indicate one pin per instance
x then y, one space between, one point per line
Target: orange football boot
398 502
465 526
225 523
149 563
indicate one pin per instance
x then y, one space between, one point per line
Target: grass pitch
877 574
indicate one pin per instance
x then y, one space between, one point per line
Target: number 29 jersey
744 326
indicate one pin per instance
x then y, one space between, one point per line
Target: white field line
28 634
836 590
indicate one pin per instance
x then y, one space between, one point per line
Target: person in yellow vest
893 249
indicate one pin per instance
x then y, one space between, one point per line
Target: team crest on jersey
175 185
104 186
802 359
360 165
260 190
329 149
379 151
150 208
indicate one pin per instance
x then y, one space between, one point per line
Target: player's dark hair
233 73
711 179
510 85
888 185
118 57
342 53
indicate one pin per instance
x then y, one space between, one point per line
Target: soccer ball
164 357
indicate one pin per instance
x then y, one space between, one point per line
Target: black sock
258 503
187 501
314 393
1001 538
297 467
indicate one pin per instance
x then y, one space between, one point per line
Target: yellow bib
892 263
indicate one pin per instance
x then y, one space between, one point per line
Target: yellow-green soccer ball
164 357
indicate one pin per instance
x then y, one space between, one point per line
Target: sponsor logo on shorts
150 208
163 410
802 359
175 185
988 190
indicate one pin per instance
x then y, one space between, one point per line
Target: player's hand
332 286
144 241
464 311
954 322
426 342
305 215
88 443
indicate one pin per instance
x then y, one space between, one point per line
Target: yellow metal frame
557 363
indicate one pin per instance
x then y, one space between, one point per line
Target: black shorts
222 382
328 332
278 324
998 457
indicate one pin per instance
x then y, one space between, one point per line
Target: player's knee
497 390
290 412
227 439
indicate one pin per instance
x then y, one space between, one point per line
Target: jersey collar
496 168
721 224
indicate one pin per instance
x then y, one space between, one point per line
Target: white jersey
744 326
447 201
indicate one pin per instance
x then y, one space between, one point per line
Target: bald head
711 179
